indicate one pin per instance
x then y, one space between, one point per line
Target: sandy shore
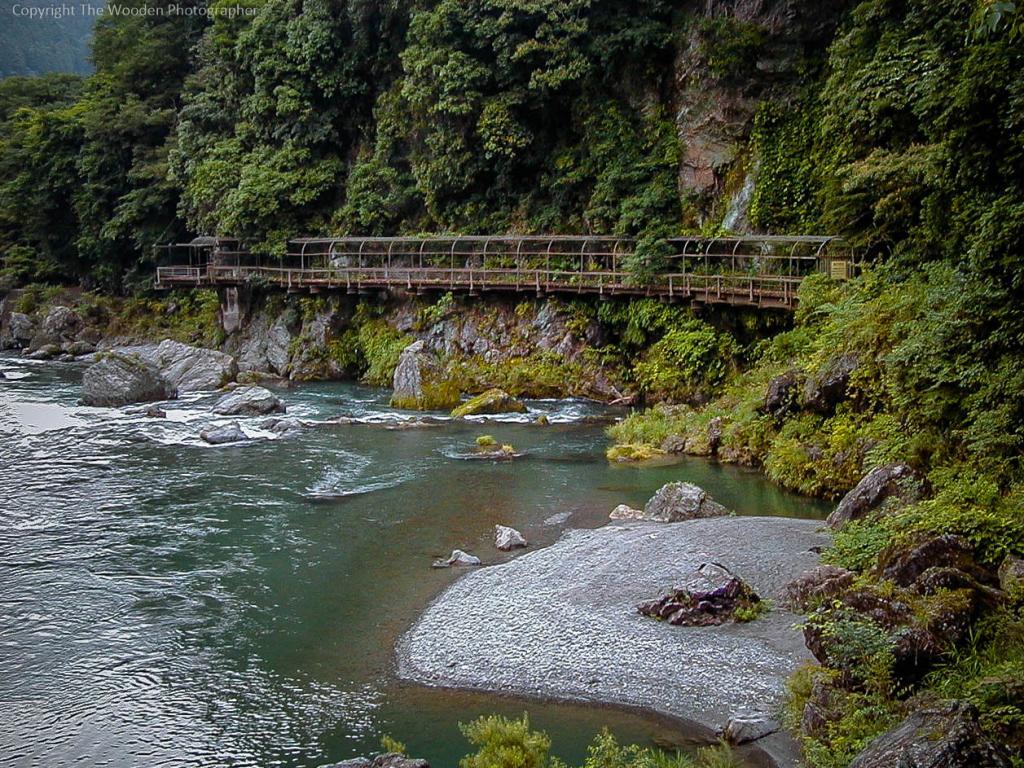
561 622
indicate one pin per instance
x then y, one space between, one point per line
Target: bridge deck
752 271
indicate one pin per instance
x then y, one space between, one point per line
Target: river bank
562 623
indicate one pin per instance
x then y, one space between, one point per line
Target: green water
168 603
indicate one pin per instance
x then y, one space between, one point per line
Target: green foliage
686 362
785 194
731 46
392 745
505 743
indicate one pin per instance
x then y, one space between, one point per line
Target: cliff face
732 56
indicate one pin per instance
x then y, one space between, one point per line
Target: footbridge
750 270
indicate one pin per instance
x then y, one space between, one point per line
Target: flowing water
168 603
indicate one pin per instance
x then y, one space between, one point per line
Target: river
169 603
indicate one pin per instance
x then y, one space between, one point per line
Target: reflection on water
165 602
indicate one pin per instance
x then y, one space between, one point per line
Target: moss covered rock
491 401
419 383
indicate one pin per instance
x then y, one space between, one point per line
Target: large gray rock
825 390
21 330
249 401
674 502
120 379
188 368
946 736
418 382
746 727
60 325
892 481
224 434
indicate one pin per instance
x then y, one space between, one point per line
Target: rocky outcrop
187 368
60 326
221 435
710 597
898 482
626 512
418 383
905 563
491 401
782 396
826 389
947 736
120 379
249 401
459 558
674 502
506 538
821 583
20 329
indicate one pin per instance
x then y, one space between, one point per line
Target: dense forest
898 124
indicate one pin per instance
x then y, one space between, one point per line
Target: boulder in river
249 401
892 481
45 352
674 502
418 382
491 401
506 538
945 736
156 412
458 558
119 379
188 368
224 434
711 596
78 348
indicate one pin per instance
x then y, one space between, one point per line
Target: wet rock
78 348
119 379
506 538
286 426
821 583
65 358
45 352
744 728
1011 575
263 379
677 501
899 482
458 558
156 412
626 512
418 382
188 368
222 435
946 736
21 329
249 401
491 401
824 391
710 597
781 397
